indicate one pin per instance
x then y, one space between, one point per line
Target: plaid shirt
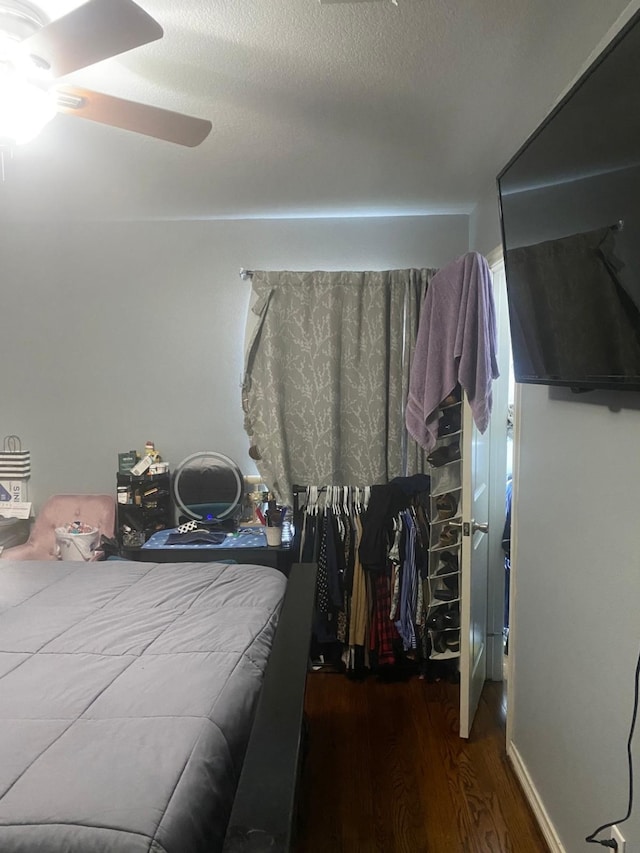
383 631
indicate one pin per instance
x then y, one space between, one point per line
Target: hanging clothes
384 632
329 585
405 624
322 626
358 621
456 343
371 560
385 504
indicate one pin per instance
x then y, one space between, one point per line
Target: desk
248 545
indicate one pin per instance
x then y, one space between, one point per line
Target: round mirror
208 486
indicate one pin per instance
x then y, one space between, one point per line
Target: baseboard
533 798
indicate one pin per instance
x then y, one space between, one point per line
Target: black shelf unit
280 558
144 507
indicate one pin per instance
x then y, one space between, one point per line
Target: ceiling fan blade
92 32
130 115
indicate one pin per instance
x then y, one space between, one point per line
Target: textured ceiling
318 109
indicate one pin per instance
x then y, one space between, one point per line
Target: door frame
497 483
511 657
491 658
474 567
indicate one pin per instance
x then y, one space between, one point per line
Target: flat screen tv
570 217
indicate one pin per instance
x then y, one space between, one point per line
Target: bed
142 706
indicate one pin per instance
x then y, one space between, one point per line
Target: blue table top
245 537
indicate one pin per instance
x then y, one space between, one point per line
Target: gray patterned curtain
327 376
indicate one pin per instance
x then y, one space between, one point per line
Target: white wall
484 223
576 568
576 562
115 333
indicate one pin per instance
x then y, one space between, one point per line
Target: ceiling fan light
25 108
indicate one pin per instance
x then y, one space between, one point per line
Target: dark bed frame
264 811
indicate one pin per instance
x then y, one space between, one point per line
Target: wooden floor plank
387 773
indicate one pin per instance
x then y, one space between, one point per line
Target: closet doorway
476 470
484 483
501 455
485 468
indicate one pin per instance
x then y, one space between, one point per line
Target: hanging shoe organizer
443 607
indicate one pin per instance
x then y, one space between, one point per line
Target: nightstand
248 545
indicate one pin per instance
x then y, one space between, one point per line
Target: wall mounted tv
570 216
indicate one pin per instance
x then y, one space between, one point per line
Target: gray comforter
127 692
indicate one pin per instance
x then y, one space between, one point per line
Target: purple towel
456 342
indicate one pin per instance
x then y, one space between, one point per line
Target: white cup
274 535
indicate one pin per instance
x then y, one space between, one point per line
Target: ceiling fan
34 53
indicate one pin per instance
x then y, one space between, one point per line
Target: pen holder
274 535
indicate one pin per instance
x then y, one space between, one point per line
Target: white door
501 450
474 567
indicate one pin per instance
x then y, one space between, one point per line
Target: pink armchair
96 510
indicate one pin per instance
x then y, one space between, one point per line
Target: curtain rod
245 274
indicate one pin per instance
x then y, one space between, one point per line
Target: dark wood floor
387 773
